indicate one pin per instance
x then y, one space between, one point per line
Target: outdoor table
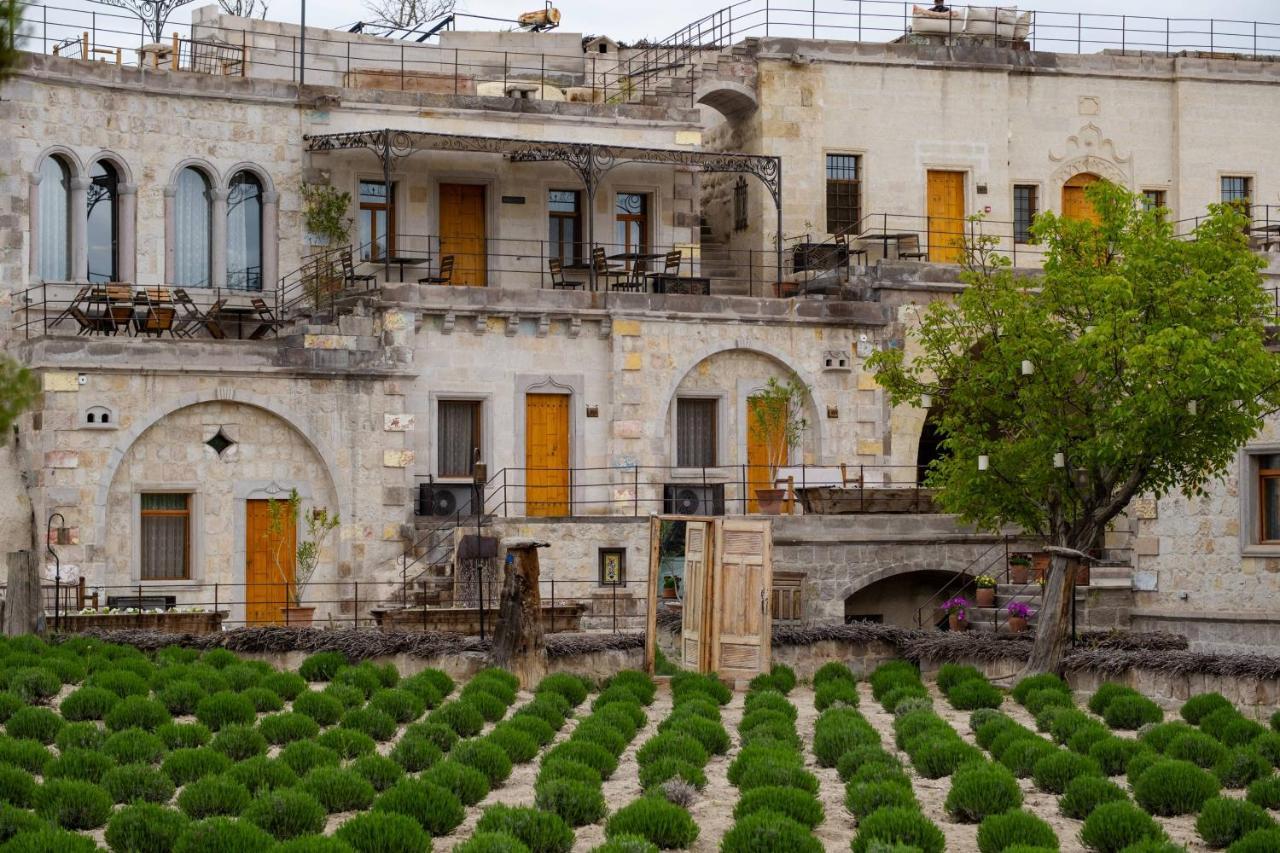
885 237
237 314
1270 234
403 261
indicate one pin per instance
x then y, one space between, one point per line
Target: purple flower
957 607
1019 610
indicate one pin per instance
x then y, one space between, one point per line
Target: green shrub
16 786
1046 681
687 685
1257 841
312 844
1241 731
521 748
495 689
136 712
1053 772
1039 701
833 671
985 734
489 706
86 703
363 677
979 790
424 689
570 686
627 843
184 735
120 682
1106 694
213 795
321 707
628 717
484 756
73 804
464 718
264 701
1139 764
444 737
1113 754
81 736
657 772
1159 736
1085 793
132 782
891 674
710 734
1268 745
864 756
285 728
578 803
1067 723
654 819
15 821
494 842
1083 738
705 706
1241 765
263 774
187 765
595 756
39 724
536 729
338 790
839 730
1021 756
46 838
347 695
1111 827
225 708
1202 705
286 685
181 697
30 755
402 705
767 831
384 832
376 724
85 764
935 756
438 679
223 835
541 832
239 742
143 828
1216 723
1009 737
799 806
466 783
1000 832
951 674
769 770
898 825
220 658
1196 747
379 771
286 813
835 691
1224 820
900 695
133 746
322 666
415 754
302 756
863 798
1169 788
671 744
1132 712
968 695
1265 793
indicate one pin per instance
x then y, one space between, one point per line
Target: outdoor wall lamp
1059 460
984 462
1027 367
926 401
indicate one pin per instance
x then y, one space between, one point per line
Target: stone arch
117 162
730 99
903 590
257 171
216 178
71 158
1089 164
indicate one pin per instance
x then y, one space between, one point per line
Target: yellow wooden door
762 449
946 216
1074 203
462 233
697 544
267 584
743 577
547 454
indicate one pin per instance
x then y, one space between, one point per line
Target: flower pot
956 623
1019 573
986 596
298 616
668 592
770 500
1017 624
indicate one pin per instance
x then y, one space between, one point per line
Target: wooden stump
518 639
22 607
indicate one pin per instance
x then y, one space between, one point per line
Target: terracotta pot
770 500
1017 624
668 592
1019 573
299 617
955 623
986 596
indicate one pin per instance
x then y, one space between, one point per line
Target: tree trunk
1054 623
22 606
518 640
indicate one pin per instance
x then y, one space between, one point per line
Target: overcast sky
630 20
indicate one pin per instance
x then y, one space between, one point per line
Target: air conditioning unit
445 499
693 499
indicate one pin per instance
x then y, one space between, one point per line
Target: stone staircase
726 270
1112 575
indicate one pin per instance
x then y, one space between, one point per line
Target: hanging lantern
1027 367
1191 407
1059 460
984 461
926 401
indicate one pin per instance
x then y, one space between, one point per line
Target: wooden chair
76 303
349 275
159 296
604 271
267 320
159 320
88 325
558 281
446 273
635 281
849 251
211 322
192 318
909 247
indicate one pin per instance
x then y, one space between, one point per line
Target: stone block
341 342
397 458
390 532
626 328
62 459
870 447
1146 546
628 429
1146 509
60 380
867 381
632 361
396 495
349 324
397 422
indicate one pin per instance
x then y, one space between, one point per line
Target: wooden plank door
266 585
946 216
462 232
762 448
697 545
1074 203
546 441
743 578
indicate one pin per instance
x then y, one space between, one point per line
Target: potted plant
669 586
306 556
957 610
986 590
1019 612
1019 568
778 417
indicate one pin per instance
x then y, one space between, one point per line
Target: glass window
459 437
1025 207
740 205
631 213
244 232
1236 188
613 566
166 543
695 432
55 220
193 219
844 192
565 226
1269 496
102 231
377 220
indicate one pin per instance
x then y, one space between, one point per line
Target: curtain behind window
695 433
164 536
55 218
459 436
192 220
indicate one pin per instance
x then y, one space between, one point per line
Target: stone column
33 229
127 236
270 239
79 229
170 235
218 249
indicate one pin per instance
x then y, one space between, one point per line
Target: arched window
55 219
193 219
102 233
244 232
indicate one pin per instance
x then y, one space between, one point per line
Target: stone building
593 395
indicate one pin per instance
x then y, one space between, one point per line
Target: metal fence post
355 605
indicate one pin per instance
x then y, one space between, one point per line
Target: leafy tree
1136 364
10 24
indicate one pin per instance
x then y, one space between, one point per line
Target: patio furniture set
113 308
632 274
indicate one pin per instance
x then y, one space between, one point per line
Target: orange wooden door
1074 203
266 584
946 216
743 578
462 233
546 441
764 447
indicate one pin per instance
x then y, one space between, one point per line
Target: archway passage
930 448
1075 204
900 599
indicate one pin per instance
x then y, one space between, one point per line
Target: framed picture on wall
613 566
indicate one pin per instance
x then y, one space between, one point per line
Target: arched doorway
1075 205
930 448
897 600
